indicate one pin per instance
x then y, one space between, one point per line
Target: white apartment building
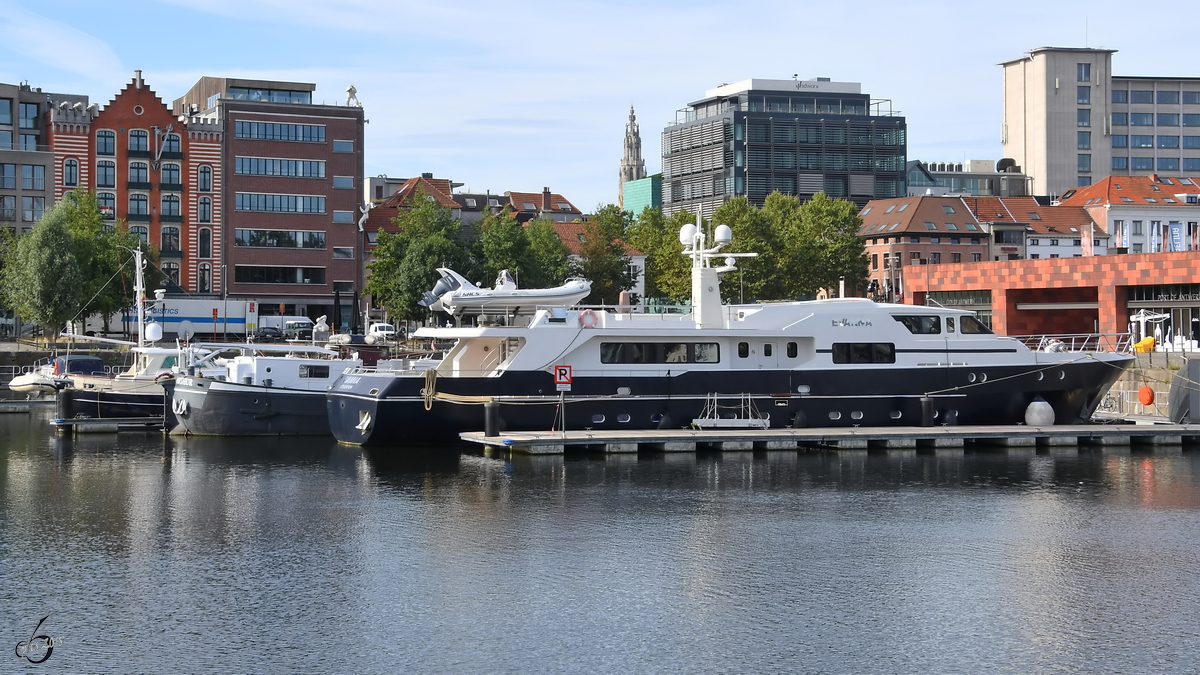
1068 121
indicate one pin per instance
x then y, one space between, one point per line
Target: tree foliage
602 258
668 272
41 277
503 245
550 255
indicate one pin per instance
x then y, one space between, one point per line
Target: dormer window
948 209
1118 186
1155 188
890 208
494 202
1034 216
1074 229
1168 200
902 207
1127 200
1150 200
563 206
470 203
529 206
866 211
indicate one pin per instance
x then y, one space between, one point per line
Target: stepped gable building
159 173
27 162
633 167
293 189
1144 214
797 137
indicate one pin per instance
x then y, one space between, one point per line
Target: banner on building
1176 236
1089 240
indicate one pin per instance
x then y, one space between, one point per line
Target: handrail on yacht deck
1120 343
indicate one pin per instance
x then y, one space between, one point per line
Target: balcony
139 154
137 185
171 187
138 217
171 155
164 218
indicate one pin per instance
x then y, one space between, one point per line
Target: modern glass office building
798 137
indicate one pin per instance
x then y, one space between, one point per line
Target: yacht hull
382 409
107 403
206 407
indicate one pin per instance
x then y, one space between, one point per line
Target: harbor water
299 555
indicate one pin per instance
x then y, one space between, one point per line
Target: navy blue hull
381 410
111 404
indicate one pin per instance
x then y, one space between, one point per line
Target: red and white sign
216 313
562 374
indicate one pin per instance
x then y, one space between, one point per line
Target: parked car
298 330
268 334
384 331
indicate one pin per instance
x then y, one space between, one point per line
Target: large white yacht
837 362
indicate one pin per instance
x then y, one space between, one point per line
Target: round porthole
623 418
623 391
1041 376
803 389
1062 374
597 419
656 418
835 415
268 369
983 377
256 400
856 415
970 377
895 414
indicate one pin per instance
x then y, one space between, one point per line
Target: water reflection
276 554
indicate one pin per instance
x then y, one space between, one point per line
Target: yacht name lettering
847 323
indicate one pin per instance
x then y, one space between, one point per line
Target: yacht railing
1120 343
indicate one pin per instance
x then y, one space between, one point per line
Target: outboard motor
444 285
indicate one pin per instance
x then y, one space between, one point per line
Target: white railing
1121 343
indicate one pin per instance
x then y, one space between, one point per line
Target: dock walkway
853 438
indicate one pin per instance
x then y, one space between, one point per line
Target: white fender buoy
1039 413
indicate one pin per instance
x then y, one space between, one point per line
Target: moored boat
838 362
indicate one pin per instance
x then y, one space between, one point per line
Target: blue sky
521 95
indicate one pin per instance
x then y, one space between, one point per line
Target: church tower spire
633 167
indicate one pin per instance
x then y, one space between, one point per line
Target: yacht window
921 325
969 325
767 349
321 372
743 350
651 352
949 324
864 352
792 350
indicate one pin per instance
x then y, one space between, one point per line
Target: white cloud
57 45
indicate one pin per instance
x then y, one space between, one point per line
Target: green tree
98 252
394 279
550 256
503 245
602 259
830 227
760 278
41 277
668 272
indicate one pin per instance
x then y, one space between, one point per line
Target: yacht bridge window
969 325
921 325
864 352
660 352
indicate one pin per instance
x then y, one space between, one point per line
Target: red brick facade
1104 280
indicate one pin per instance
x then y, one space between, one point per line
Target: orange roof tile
519 199
570 235
1140 190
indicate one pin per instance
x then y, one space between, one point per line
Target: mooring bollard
62 404
927 411
491 418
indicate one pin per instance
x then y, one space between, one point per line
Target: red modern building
159 173
291 236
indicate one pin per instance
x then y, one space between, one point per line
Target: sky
517 96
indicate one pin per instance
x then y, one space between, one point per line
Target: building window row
292 168
1165 97
279 238
1159 119
29 116
262 274
6 111
33 177
273 131
246 201
269 95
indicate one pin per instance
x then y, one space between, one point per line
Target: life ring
180 407
587 319
163 376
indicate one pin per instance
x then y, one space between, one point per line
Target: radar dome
153 332
723 235
686 234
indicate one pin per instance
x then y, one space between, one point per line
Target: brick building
160 174
293 187
26 163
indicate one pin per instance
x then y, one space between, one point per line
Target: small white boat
56 373
455 295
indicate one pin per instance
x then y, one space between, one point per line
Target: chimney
137 79
427 175
546 199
